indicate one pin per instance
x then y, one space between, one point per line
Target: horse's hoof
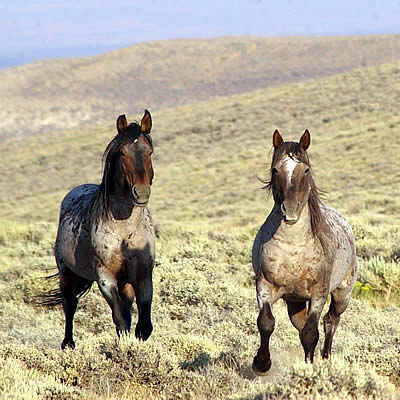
143 330
261 370
325 355
67 344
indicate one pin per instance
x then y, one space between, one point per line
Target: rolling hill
55 94
207 202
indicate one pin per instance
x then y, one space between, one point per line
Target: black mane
110 157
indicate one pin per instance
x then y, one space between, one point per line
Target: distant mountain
56 94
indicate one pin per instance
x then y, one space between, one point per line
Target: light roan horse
106 234
304 251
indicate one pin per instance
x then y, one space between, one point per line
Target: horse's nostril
135 193
283 208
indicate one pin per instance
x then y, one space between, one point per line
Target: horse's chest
292 267
121 248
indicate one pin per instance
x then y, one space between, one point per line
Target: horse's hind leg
297 313
71 285
339 300
144 296
309 335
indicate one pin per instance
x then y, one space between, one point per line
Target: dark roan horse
303 252
106 234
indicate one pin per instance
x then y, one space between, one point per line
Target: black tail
54 297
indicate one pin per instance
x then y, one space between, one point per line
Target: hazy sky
31 30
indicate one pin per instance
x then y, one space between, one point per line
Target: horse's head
135 166
291 181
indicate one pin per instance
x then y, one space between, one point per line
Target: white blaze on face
290 165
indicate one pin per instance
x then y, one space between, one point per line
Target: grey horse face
291 179
293 187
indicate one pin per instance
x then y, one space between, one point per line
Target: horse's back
73 235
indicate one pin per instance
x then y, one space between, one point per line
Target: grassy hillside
44 96
207 201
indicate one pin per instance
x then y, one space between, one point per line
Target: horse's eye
274 171
307 171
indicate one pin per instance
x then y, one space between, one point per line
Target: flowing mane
319 227
111 165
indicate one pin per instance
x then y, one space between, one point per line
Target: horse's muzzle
290 221
141 195
290 215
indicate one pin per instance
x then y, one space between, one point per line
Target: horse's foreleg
119 305
266 325
339 300
144 296
309 335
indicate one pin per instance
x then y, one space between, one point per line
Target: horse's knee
266 321
309 336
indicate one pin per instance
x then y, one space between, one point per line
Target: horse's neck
122 209
119 208
300 231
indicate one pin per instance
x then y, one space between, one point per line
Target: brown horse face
291 179
137 167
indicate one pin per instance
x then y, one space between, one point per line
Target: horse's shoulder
263 236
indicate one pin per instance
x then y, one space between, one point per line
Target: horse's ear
145 123
305 140
277 139
122 123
